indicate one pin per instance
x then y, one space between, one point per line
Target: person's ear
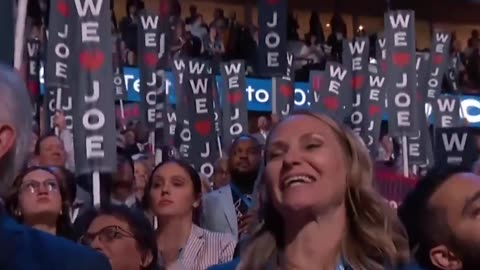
147 259
7 139
443 258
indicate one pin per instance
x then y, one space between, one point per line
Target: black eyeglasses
106 235
33 186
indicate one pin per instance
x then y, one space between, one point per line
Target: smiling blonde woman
320 209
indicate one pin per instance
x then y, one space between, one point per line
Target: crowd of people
297 196
299 193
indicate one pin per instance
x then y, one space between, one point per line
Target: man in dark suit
22 248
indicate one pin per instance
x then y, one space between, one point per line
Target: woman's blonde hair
375 238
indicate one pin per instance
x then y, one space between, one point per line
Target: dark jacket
22 248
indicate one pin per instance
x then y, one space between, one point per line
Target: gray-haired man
21 247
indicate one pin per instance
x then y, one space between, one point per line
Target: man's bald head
15 126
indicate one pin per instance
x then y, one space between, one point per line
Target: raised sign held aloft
448 111
456 146
420 145
272 36
335 93
118 76
94 97
366 118
199 136
234 101
58 70
401 75
33 76
283 90
147 26
356 59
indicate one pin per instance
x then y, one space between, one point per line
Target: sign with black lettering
200 137
401 75
33 74
335 98
356 59
272 36
147 60
448 111
58 95
316 85
366 118
455 146
234 101
118 76
94 105
420 145
439 57
283 89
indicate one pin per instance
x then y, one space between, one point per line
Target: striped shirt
205 248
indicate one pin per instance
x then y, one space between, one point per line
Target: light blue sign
259 94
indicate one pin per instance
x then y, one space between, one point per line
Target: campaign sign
118 76
272 36
199 136
455 146
356 60
401 75
420 145
147 59
366 118
335 97
58 76
283 90
234 101
439 57
448 111
33 76
94 105
316 84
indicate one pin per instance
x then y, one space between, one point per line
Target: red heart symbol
317 83
286 90
374 110
203 127
234 97
437 59
92 60
163 8
331 103
33 88
401 59
383 66
150 59
62 8
272 2
357 82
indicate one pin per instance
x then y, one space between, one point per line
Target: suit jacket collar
195 242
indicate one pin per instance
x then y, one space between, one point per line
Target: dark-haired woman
38 199
123 235
173 195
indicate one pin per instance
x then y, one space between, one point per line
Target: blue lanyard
244 198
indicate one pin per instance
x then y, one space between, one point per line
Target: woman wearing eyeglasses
124 236
39 200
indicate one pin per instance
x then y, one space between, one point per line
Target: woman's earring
196 204
18 213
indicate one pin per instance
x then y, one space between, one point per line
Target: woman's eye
312 146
